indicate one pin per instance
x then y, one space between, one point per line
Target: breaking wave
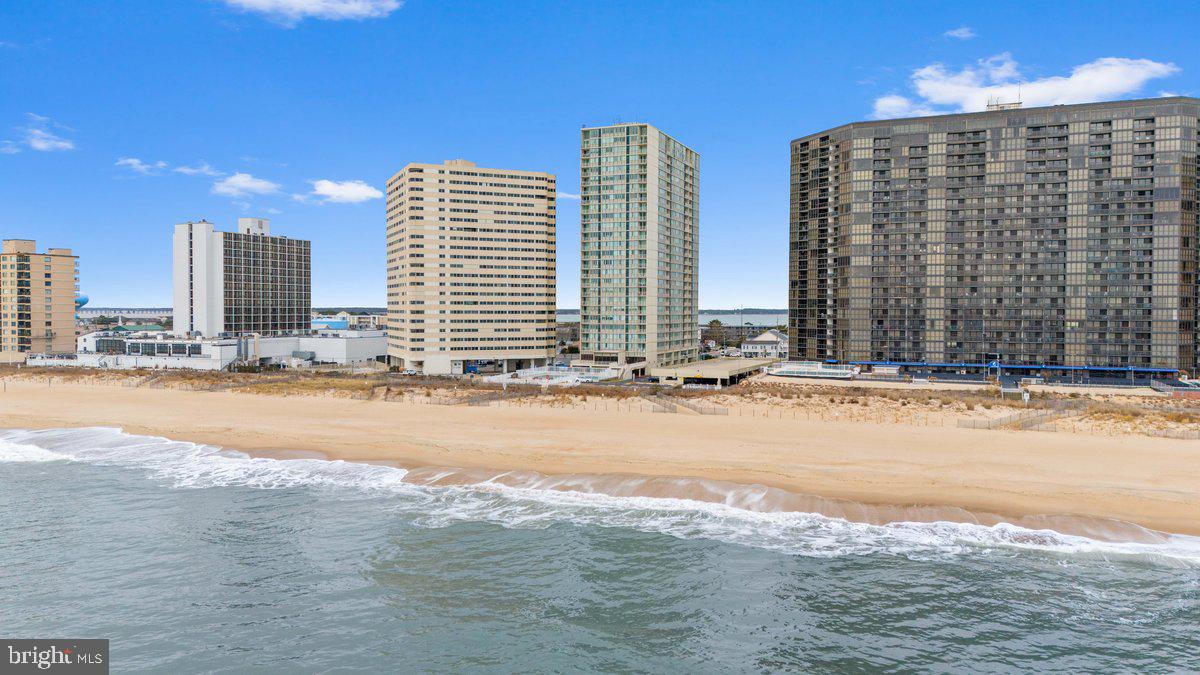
749 515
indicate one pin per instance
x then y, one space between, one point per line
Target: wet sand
862 471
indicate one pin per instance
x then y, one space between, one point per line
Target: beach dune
892 472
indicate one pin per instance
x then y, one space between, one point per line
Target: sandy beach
1030 475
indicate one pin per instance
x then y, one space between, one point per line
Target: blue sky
119 119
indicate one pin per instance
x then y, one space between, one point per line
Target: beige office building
470 267
37 300
640 248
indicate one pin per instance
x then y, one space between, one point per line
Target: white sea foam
11 451
188 465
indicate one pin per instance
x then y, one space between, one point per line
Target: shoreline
1005 476
752 498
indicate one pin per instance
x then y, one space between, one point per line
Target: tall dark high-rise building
1061 237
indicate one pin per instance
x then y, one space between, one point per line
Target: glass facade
1057 237
639 213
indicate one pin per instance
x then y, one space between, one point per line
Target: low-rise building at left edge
37 300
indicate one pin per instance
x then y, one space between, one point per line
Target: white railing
814 369
1167 388
556 375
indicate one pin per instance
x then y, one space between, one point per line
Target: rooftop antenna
994 102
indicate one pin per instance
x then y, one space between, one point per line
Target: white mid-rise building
240 282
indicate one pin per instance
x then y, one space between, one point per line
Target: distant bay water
753 318
191 558
728 319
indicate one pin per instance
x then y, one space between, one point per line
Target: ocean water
193 558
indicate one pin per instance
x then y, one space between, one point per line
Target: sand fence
1026 419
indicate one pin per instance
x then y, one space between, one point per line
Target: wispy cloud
46 141
566 195
156 168
138 166
339 192
291 12
243 185
201 169
940 90
238 186
960 33
41 134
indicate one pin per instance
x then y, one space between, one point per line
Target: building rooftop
176 336
1004 113
771 335
712 369
467 164
29 247
585 127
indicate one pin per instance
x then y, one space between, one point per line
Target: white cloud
155 168
201 169
998 78
291 12
243 184
961 33
894 105
40 134
344 192
566 195
45 141
9 148
138 166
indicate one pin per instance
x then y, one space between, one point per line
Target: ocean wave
11 451
745 515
